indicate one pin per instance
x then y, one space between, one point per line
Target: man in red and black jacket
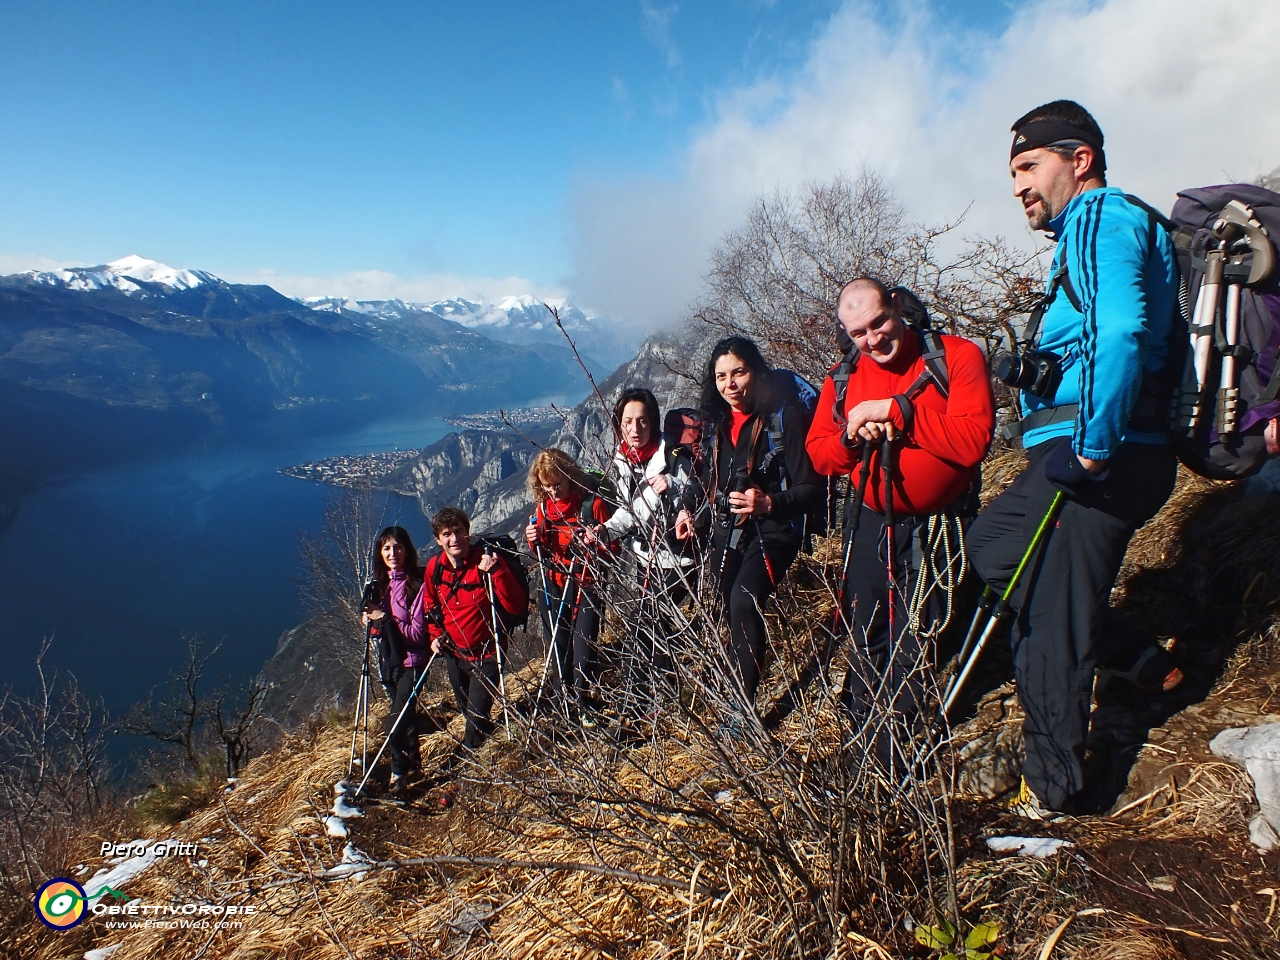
455 598
939 417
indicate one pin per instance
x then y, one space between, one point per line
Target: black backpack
1227 334
799 398
506 548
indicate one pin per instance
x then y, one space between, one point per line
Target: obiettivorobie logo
61 903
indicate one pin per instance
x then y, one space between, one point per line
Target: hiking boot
397 786
1028 806
1153 672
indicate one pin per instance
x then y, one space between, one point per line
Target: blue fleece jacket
1126 286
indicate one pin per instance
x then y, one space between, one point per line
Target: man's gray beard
1040 219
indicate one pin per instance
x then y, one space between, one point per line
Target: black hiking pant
402 738
886 680
747 578
572 621
475 683
1064 624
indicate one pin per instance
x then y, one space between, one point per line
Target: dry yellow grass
265 843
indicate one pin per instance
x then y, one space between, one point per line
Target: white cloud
381 285
22 263
657 27
1177 92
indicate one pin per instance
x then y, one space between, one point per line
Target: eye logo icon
60 904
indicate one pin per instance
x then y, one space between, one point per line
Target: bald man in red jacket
938 438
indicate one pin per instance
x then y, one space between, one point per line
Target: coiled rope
942 567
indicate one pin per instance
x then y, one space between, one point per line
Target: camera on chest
740 483
1038 372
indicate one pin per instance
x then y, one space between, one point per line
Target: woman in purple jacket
403 653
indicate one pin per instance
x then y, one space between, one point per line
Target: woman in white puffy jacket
645 482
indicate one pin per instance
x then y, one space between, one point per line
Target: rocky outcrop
315 668
483 471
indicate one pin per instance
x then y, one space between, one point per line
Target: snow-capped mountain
520 313
521 320
127 274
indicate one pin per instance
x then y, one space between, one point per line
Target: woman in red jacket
563 533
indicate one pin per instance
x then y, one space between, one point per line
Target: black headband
1046 133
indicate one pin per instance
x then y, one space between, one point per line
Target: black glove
1064 470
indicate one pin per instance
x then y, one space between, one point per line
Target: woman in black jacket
761 487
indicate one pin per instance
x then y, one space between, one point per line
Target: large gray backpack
1227 342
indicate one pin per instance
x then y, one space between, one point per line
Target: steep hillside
661 836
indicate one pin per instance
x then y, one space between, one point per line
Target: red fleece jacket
948 436
462 597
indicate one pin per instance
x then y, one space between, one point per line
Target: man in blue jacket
1098 435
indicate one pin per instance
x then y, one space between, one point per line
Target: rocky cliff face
483 471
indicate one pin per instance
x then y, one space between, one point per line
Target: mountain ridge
84 344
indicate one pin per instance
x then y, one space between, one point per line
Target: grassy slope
1171 875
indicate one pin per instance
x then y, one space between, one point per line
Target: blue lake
119 566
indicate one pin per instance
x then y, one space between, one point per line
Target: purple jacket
408 616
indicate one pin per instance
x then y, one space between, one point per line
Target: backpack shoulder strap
840 375
935 360
776 446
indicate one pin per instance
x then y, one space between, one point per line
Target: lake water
119 566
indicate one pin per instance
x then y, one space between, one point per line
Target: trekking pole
864 474
554 653
396 726
1239 233
362 692
542 567
1204 322
886 468
1001 608
362 709
497 643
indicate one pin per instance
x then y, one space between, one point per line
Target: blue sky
594 148
318 138
312 137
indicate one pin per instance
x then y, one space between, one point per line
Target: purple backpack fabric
1242 453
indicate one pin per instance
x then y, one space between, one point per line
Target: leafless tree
777 278
193 724
53 774
176 718
338 562
235 714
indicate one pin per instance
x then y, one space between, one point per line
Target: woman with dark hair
564 533
396 609
646 479
759 493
